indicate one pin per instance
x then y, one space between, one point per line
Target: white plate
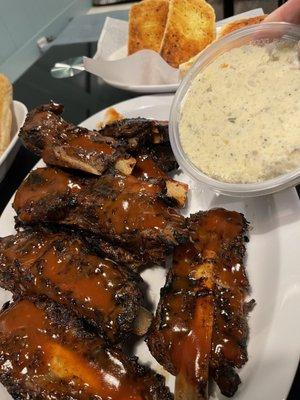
272 264
170 88
8 156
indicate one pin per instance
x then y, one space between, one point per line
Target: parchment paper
145 67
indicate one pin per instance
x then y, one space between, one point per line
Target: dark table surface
82 96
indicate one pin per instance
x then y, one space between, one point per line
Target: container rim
288 32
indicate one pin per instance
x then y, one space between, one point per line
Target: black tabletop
82 96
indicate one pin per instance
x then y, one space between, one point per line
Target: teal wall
23 22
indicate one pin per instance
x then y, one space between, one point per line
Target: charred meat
181 335
160 154
124 210
220 237
63 144
200 329
148 169
137 131
63 268
47 353
114 252
119 145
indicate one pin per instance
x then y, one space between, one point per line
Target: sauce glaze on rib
200 329
124 210
61 266
45 353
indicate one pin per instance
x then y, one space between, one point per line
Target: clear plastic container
264 31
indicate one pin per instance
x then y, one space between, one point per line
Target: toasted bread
226 29
240 23
190 28
5 112
147 21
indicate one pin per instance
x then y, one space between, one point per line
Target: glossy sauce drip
231 327
215 230
46 123
220 237
43 182
230 331
202 319
188 316
131 212
22 315
25 251
57 259
108 205
27 326
81 275
146 168
91 146
193 352
129 204
131 184
62 365
68 365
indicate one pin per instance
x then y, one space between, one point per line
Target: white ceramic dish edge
9 154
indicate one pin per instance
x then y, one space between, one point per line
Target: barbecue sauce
146 168
90 146
220 238
131 184
127 206
43 183
202 319
126 209
133 213
84 275
62 268
48 357
186 328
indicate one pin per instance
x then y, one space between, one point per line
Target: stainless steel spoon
67 68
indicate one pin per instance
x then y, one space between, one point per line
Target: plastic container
264 31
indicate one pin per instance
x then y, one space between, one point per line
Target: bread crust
240 23
226 29
190 28
147 21
5 112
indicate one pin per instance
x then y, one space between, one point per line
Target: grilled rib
63 268
125 210
180 339
63 144
200 328
161 155
159 150
149 168
220 237
117 145
138 131
46 353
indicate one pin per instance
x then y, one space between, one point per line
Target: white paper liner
143 68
